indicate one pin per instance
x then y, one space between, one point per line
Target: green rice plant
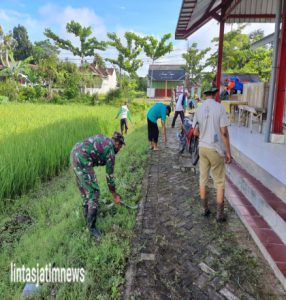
36 140
58 234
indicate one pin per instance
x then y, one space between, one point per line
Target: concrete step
262 212
269 206
267 179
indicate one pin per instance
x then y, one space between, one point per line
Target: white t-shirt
179 106
211 116
124 112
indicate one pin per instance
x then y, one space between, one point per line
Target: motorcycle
188 141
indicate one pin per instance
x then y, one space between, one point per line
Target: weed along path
178 254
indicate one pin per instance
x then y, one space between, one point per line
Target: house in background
106 80
163 79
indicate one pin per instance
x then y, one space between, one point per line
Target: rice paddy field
35 140
41 220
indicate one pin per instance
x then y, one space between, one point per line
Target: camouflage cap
118 137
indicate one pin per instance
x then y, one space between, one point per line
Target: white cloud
58 17
4 16
12 18
203 38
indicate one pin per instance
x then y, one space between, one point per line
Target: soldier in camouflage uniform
98 150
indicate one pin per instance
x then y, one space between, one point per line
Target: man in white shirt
181 106
211 122
124 114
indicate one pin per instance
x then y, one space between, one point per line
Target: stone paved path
178 254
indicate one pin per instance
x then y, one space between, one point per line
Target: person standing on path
224 95
210 123
157 111
124 113
173 99
181 106
98 150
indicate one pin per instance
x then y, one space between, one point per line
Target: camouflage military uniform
94 151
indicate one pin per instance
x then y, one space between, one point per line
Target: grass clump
56 231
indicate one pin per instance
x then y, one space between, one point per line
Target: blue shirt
157 111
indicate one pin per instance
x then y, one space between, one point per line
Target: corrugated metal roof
269 39
264 8
195 13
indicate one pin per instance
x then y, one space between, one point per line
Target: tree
195 63
127 59
12 69
129 85
43 50
70 79
24 47
234 54
99 61
260 63
256 35
155 49
238 57
49 72
16 70
7 45
142 83
87 46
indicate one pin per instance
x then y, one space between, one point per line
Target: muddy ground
178 254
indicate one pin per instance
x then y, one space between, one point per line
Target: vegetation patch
36 140
58 234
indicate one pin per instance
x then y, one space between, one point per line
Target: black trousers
153 131
123 124
181 113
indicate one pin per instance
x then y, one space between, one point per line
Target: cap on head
118 137
211 91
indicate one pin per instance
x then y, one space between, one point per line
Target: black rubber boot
206 212
91 220
220 216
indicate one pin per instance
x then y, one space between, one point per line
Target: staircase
263 211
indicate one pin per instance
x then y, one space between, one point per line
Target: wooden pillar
166 86
280 79
219 60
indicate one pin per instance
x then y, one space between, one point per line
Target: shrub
4 99
57 99
94 99
40 91
113 95
71 86
10 89
27 94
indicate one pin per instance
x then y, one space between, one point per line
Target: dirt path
178 254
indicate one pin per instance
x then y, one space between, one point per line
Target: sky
147 17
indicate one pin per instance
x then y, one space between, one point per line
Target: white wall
108 83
